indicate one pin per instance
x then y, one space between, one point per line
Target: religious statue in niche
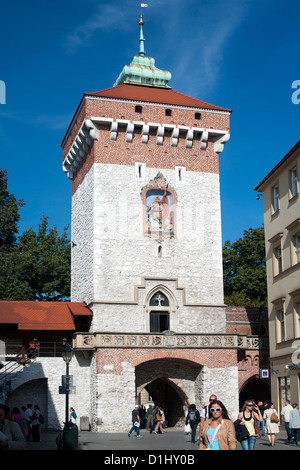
159 211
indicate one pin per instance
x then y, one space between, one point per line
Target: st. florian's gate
175 369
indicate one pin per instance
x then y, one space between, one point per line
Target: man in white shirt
286 416
205 411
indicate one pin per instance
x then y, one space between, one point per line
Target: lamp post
67 354
70 432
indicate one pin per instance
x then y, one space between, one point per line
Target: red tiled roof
154 95
42 315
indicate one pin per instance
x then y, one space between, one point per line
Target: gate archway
254 389
172 383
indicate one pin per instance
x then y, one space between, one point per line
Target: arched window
159 313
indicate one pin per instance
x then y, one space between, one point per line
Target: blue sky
239 54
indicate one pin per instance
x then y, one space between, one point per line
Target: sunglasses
215 410
250 405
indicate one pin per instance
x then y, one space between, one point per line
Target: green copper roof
142 70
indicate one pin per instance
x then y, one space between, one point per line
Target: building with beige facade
281 204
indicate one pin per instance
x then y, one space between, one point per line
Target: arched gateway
172 384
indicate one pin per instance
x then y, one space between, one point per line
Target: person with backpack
193 419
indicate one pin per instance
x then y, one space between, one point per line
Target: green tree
46 261
34 265
9 213
244 267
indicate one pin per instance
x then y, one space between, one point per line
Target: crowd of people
216 431
18 426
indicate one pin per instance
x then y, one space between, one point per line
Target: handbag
274 418
257 429
215 434
187 428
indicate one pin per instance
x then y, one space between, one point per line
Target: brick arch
161 368
135 356
151 355
173 384
254 388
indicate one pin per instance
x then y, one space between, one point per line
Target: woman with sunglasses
218 431
248 417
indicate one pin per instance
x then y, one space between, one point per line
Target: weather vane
143 5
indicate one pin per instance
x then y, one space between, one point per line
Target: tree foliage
244 266
36 264
9 213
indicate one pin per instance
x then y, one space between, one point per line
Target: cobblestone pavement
172 440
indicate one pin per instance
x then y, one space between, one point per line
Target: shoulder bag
215 433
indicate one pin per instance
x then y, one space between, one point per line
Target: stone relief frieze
83 341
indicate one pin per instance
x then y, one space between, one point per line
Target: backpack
193 415
41 419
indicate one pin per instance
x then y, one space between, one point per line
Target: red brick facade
162 156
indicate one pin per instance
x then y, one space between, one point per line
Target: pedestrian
35 426
285 412
272 420
295 423
142 414
11 436
135 422
7 414
262 423
205 411
34 346
249 417
218 431
73 415
28 417
193 419
149 414
16 415
153 419
187 426
159 421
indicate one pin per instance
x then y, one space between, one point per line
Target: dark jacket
241 431
197 417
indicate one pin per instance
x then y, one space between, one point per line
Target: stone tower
146 242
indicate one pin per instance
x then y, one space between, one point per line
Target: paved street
171 440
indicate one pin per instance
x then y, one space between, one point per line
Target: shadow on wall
36 392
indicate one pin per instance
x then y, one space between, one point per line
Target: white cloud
105 17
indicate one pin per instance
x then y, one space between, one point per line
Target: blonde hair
246 404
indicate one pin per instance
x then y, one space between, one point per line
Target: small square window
198 116
138 109
168 112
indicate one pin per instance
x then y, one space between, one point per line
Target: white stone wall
82 253
112 255
24 390
222 382
116 400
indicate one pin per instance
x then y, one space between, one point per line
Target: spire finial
141 40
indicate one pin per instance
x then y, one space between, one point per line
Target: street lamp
67 354
70 431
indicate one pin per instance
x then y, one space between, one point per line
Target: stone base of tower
173 377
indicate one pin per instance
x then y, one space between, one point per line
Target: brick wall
160 156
